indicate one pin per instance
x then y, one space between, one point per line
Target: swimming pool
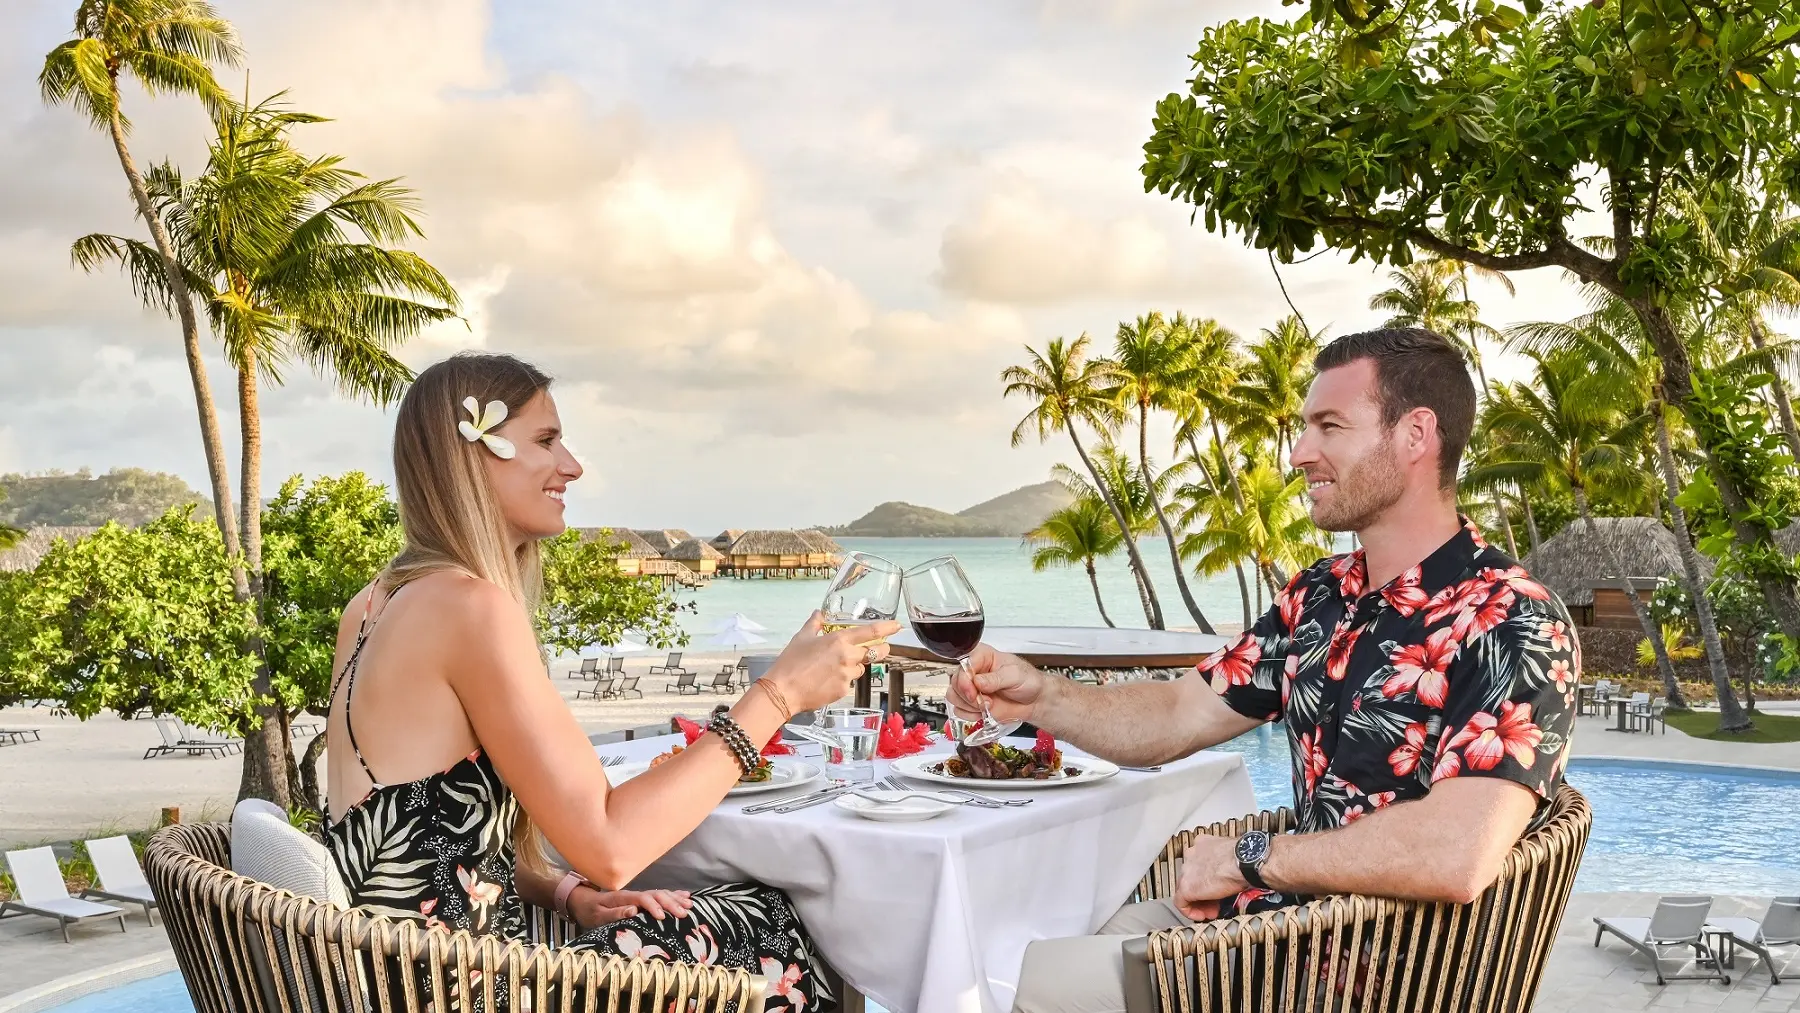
1658 828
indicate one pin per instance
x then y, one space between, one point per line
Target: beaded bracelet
742 749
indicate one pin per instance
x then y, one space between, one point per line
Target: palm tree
1069 392
168 47
1078 533
1271 528
1611 339
1149 362
1115 470
272 238
1266 403
1434 294
1569 428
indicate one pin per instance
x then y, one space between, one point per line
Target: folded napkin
897 740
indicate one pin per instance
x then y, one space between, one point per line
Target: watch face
1252 847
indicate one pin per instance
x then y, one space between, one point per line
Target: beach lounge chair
191 736
590 667
1780 926
173 742
1678 921
725 681
683 683
600 690
670 667
627 686
39 890
121 878
17 736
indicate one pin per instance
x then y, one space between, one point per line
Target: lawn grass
1769 727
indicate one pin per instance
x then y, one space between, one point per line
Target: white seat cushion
71 907
266 848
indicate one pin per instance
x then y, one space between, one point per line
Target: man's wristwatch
1252 851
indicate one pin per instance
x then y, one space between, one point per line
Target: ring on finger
870 655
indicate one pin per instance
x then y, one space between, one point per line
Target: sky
775 252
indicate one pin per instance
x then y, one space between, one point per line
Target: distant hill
1010 515
130 496
1019 511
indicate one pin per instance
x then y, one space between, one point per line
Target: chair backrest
724 678
743 664
1679 919
246 946
116 863
589 665
629 683
674 660
616 663
1487 956
604 683
1640 698
170 730
685 679
36 875
1782 923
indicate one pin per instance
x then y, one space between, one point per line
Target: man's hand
1209 875
1010 685
593 908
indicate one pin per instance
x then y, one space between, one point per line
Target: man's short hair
1415 368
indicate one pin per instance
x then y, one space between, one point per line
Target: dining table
936 915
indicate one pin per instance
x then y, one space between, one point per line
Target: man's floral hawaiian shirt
1463 666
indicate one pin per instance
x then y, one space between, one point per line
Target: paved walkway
1594 737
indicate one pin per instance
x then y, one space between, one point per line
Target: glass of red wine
947 617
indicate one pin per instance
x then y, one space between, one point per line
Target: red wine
949 636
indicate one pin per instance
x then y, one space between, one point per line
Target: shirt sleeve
1248 672
1509 709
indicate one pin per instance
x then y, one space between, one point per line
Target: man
1427 682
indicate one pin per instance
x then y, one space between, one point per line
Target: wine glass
947 617
865 590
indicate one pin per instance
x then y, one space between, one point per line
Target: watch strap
570 881
1252 871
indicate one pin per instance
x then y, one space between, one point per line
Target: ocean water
1000 568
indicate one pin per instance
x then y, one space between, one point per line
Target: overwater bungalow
767 553
697 556
825 549
663 539
722 541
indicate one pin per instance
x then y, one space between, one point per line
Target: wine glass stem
987 716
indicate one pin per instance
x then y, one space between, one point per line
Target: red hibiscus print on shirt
1405 757
1312 754
1423 669
1516 578
1476 621
1233 665
1350 575
1487 739
1405 594
1337 655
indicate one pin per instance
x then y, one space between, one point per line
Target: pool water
164 993
1657 829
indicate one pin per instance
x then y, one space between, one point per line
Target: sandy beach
86 778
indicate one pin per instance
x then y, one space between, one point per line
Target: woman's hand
815 670
592 908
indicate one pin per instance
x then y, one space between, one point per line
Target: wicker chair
245 946
1484 957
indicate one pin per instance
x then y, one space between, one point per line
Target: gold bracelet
775 697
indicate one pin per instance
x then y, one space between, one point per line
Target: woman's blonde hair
449 513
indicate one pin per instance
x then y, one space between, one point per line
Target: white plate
918 768
787 773
910 811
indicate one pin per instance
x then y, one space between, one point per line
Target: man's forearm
1136 724
1396 852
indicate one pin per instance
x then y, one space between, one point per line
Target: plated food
1000 762
779 772
763 772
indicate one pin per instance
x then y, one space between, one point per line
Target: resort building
663 539
697 556
1581 571
767 553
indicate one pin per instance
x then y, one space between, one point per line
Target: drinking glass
865 589
857 732
947 617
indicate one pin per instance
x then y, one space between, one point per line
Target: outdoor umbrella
738 638
739 621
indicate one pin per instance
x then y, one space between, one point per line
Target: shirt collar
1446 565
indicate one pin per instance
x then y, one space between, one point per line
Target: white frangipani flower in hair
484 421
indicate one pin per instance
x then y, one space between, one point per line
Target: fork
989 799
797 801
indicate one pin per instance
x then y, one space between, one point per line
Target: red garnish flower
689 729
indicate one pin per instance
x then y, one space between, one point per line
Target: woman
452 756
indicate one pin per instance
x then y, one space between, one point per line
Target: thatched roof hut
693 549
822 541
722 541
663 539
635 545
768 542
1571 563
25 553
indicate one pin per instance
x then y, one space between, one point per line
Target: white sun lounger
40 891
1678 921
121 878
1779 927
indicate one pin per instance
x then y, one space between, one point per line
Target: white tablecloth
935 916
